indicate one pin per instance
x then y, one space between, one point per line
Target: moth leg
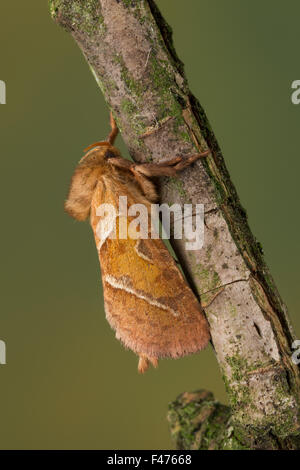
185 162
170 167
114 130
153 169
207 304
138 169
145 361
146 185
170 162
121 163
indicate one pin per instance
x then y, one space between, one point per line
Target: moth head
99 154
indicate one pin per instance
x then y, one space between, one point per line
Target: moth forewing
147 301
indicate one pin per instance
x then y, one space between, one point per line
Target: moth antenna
114 130
96 144
111 136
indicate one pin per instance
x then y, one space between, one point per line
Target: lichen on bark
128 46
199 422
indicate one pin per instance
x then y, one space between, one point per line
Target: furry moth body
147 301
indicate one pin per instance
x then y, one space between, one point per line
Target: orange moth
147 300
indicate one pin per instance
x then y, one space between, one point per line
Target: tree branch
128 46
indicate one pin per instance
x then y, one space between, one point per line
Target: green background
68 383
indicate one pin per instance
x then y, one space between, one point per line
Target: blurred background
68 382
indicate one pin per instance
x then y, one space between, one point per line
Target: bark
128 46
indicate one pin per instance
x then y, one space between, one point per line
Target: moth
146 298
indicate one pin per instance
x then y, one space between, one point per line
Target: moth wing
147 300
